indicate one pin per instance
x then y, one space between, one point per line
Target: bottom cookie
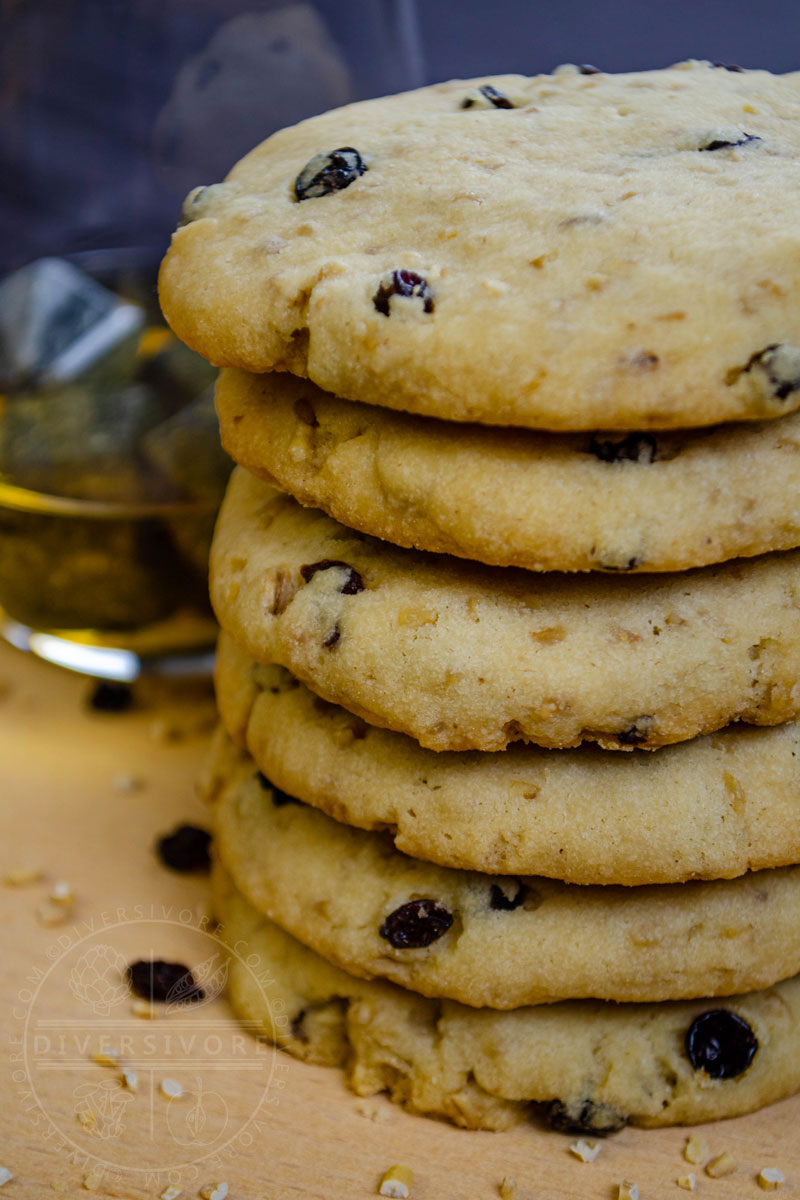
585 1066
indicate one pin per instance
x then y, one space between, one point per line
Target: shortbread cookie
547 502
465 657
590 251
711 808
584 1066
500 940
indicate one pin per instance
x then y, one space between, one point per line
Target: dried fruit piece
185 849
778 365
720 1043
352 585
725 144
636 733
500 899
416 924
584 1116
332 638
329 171
494 97
111 697
636 447
403 282
163 981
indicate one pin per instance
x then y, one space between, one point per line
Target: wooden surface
282 1129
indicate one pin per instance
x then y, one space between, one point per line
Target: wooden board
287 1130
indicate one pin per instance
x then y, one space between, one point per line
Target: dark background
110 110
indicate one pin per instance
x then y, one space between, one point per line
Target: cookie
583 1066
596 251
516 498
711 808
464 657
496 940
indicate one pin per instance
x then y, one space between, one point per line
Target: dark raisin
495 97
780 364
636 447
637 733
584 1116
329 172
330 639
351 586
588 69
728 67
185 849
416 924
157 980
111 697
722 144
720 1043
630 564
279 797
501 900
403 283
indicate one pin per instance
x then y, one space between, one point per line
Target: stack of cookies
507 802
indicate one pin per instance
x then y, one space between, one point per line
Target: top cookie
569 251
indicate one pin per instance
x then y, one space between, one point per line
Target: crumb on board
171 1089
628 1190
507 1188
371 1111
396 1182
696 1149
723 1164
129 1079
22 876
586 1152
5 1176
214 1191
770 1178
144 1009
170 1193
106 1058
687 1182
92 1181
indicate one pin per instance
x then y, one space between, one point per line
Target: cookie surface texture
711 808
350 896
638 502
606 252
592 1067
464 657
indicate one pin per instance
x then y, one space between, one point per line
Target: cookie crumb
170 1193
92 1181
85 1118
508 1188
106 1058
585 1151
372 1112
213 1191
723 1164
696 1149
628 1190
770 1178
5 1176
126 783
687 1182
171 1089
396 1182
62 893
58 1185
22 876
50 912
144 1009
129 1079
164 731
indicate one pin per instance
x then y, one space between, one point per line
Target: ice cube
57 325
185 449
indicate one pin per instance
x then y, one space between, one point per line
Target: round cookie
546 502
464 657
497 941
584 1066
711 808
594 251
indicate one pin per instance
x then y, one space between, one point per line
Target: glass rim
30 500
